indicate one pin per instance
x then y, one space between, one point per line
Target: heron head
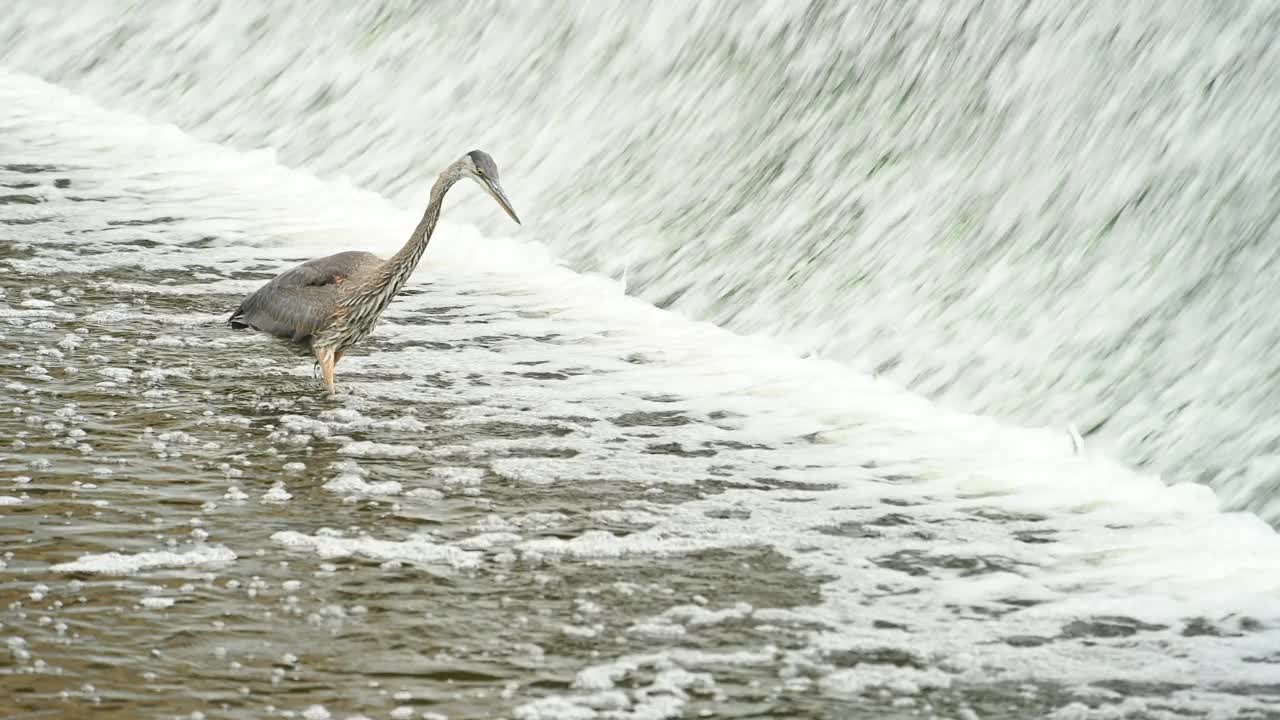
478 166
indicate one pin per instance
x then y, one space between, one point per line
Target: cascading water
1054 214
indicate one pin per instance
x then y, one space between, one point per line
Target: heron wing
300 301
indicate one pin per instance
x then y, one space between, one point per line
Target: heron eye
479 172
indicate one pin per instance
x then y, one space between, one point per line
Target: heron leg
327 361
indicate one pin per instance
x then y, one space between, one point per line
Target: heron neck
402 264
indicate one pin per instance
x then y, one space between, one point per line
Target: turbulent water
1053 213
649 455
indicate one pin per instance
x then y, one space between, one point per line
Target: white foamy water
539 497
123 564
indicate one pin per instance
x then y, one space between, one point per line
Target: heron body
329 304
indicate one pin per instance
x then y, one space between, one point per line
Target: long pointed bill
501 197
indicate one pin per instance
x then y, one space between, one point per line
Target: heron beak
501 197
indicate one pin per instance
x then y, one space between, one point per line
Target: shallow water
534 497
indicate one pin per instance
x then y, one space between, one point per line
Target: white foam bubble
316 712
625 517
899 680
557 708
425 494
277 494
351 483
664 695
367 448
416 549
697 615
485 541
119 564
458 475
601 544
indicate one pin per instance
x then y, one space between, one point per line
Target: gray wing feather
300 301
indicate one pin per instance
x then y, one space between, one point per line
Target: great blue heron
331 303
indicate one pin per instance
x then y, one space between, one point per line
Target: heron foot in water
327 360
